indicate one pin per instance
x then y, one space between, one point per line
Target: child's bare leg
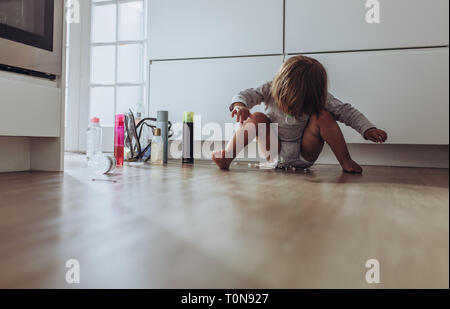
268 143
322 129
243 136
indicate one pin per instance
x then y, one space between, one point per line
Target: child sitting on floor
297 100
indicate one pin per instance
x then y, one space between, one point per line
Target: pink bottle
119 133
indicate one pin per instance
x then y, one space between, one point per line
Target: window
108 67
118 50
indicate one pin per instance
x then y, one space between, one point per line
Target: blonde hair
301 86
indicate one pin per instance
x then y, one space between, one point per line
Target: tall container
119 134
163 124
157 148
188 138
93 139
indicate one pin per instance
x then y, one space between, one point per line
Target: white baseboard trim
430 156
18 154
14 154
433 156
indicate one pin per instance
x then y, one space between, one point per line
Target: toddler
297 100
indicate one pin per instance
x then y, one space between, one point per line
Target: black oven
31 35
28 21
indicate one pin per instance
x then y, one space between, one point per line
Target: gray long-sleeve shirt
290 128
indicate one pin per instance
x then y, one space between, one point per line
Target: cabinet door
214 28
206 87
404 92
330 25
29 107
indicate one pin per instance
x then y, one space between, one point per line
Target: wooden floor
184 227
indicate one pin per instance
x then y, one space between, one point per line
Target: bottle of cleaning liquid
93 139
157 156
119 136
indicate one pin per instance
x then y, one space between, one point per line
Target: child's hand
241 112
376 135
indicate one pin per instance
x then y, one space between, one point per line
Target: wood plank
194 227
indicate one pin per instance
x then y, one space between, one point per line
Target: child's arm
251 97
245 100
347 114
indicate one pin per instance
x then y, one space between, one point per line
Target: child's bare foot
221 160
351 166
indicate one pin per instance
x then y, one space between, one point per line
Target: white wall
396 71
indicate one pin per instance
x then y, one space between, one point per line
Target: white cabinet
214 28
206 87
404 92
29 106
330 25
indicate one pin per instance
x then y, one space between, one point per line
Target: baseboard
14 154
46 154
18 154
433 156
430 156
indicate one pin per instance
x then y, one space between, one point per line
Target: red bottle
119 134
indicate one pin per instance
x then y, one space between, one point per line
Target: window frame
81 80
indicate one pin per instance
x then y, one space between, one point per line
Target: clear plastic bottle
93 139
102 164
157 148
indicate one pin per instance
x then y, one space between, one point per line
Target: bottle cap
95 120
162 116
120 119
188 117
157 132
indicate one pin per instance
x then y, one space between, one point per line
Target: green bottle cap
188 117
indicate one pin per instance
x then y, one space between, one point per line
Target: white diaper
291 155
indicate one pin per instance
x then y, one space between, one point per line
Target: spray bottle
188 138
119 136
